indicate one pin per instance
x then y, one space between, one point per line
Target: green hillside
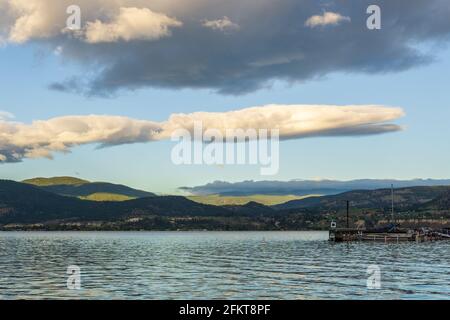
268 200
103 196
25 203
42 182
83 189
440 203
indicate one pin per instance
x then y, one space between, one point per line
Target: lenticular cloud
43 138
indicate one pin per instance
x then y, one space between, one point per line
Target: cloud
42 138
271 36
45 137
224 24
326 19
29 21
5 115
305 187
295 121
131 24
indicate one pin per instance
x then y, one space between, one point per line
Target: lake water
217 265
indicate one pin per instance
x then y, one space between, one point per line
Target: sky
197 57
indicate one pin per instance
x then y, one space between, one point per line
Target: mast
392 203
348 209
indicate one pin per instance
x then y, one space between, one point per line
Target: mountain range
25 203
60 203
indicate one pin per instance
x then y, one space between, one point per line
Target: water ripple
216 265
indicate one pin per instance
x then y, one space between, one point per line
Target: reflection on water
217 265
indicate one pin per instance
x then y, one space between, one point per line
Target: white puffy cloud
327 18
102 20
131 24
26 20
29 21
43 138
224 24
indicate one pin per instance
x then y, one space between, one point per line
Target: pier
389 233
418 235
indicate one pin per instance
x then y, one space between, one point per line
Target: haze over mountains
305 187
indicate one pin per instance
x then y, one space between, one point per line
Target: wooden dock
348 234
388 233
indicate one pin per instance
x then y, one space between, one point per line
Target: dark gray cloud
272 43
304 187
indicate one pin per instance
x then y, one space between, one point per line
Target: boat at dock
390 233
397 235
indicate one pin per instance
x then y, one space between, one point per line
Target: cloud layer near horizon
305 187
232 46
44 137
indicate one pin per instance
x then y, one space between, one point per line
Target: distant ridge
305 187
404 198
